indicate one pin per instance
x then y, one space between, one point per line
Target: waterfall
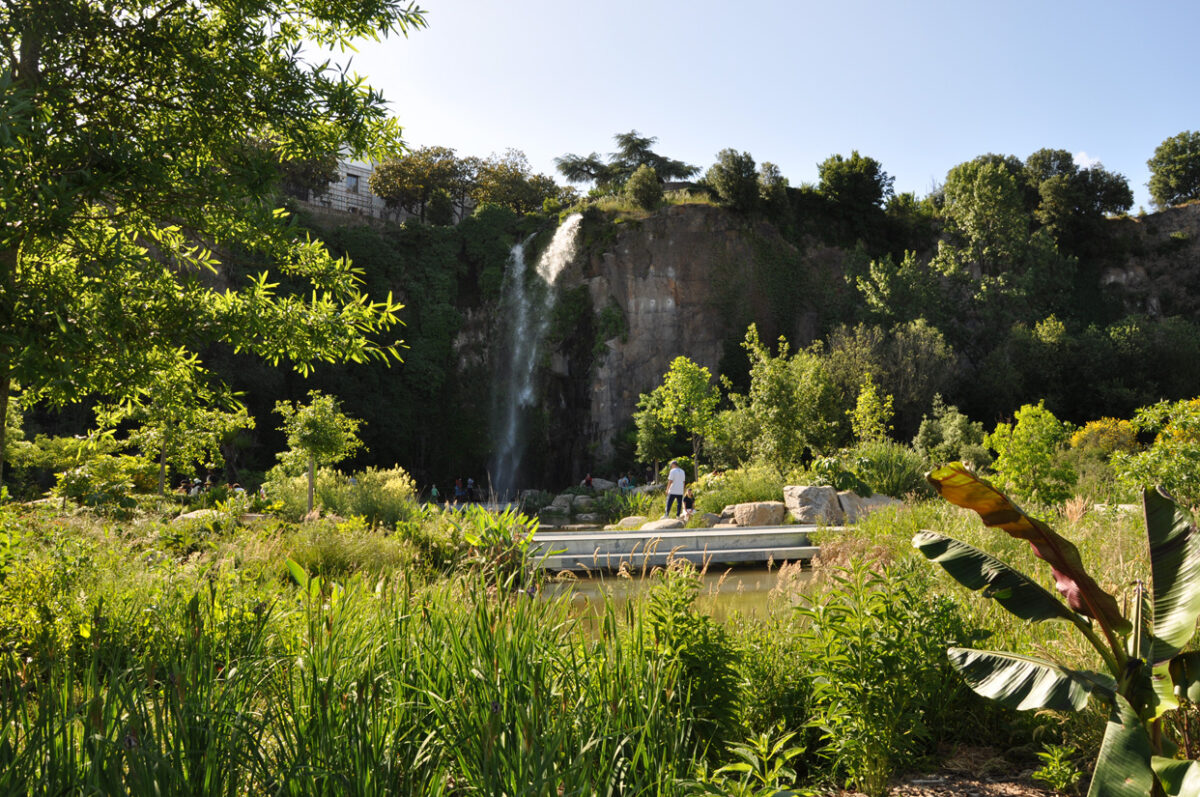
526 313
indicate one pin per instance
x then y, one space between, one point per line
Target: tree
117 185
1026 454
411 182
1175 170
858 182
792 404
734 179
181 419
871 418
654 437
644 189
318 433
508 180
688 400
633 152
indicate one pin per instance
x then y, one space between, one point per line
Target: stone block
811 504
663 524
583 503
759 513
563 502
707 519
631 522
855 507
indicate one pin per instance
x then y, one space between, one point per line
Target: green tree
654 437
180 418
1026 454
508 180
1170 461
858 182
318 433
689 401
411 182
116 183
791 405
734 179
871 418
950 436
633 152
644 189
1175 170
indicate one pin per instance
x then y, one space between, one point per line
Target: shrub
1105 437
890 468
1170 461
754 482
1027 455
950 436
643 189
104 481
381 496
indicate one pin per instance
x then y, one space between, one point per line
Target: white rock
759 513
813 504
663 524
856 507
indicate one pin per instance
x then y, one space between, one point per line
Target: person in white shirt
675 480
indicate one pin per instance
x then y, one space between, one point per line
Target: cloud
1085 161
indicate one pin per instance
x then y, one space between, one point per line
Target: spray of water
526 310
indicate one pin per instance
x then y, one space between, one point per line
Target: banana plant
1146 671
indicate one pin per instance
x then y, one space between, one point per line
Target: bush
754 482
950 436
643 189
1027 455
382 496
890 468
104 482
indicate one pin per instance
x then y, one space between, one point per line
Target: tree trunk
312 479
8 278
162 470
5 389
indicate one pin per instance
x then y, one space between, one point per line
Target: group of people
196 487
464 493
679 494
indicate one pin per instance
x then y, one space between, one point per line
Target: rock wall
685 280
1160 271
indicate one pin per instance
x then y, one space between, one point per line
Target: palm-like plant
1147 671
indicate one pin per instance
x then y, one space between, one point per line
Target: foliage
112 229
318 433
654 436
762 769
951 436
502 546
754 481
1105 437
508 181
885 625
1026 454
1171 460
871 418
633 153
834 472
688 400
1146 670
1175 170
791 405
411 182
889 468
704 649
857 182
103 481
734 179
643 189
1058 771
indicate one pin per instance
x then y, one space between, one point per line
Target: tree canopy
1175 170
134 171
633 151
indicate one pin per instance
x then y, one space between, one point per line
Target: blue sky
920 86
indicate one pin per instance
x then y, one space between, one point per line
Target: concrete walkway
608 550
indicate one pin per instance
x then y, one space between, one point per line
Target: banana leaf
1185 676
1175 566
1178 778
1023 682
958 485
977 570
1123 766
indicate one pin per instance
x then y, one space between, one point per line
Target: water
744 591
526 310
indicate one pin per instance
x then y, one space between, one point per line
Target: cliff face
1159 268
684 281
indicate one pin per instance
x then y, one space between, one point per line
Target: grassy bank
277 658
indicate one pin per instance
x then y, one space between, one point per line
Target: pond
742 591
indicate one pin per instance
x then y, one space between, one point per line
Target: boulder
589 519
811 504
201 514
563 502
631 522
856 507
759 513
727 512
663 524
707 519
583 503
603 485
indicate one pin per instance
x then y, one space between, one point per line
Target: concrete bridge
608 550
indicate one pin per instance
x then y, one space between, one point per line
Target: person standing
675 480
